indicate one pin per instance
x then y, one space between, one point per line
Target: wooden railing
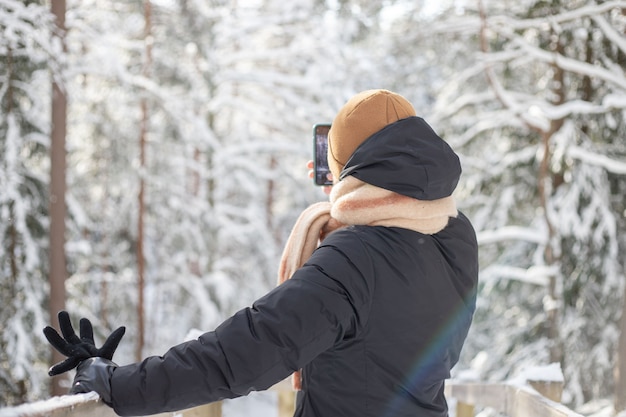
90 405
530 399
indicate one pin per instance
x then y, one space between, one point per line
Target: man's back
413 297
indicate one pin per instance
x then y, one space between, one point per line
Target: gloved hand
94 374
78 349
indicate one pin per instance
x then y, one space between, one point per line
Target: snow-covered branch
507 233
616 38
557 19
535 275
611 165
569 64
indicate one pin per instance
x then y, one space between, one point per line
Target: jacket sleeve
325 301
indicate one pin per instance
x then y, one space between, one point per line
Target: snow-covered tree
25 56
529 93
539 119
232 93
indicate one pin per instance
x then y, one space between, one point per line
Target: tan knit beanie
363 115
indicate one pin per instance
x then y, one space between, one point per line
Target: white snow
233 92
508 233
46 406
546 373
612 165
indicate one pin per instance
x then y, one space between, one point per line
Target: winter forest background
189 127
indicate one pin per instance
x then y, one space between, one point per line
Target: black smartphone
320 154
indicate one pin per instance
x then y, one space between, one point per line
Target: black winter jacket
376 318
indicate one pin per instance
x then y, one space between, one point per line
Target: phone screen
320 150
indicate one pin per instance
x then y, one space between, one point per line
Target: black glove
78 349
94 374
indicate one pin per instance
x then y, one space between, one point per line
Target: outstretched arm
255 348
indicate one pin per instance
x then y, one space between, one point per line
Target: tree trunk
547 188
545 183
620 365
147 8
140 239
620 361
58 270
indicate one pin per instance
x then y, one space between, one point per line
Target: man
375 318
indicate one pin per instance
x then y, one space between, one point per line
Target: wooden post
464 410
552 390
207 410
286 403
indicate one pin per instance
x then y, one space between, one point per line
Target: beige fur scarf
353 202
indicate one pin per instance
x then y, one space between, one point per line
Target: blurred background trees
189 128
26 53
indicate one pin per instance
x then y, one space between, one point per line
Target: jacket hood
406 157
